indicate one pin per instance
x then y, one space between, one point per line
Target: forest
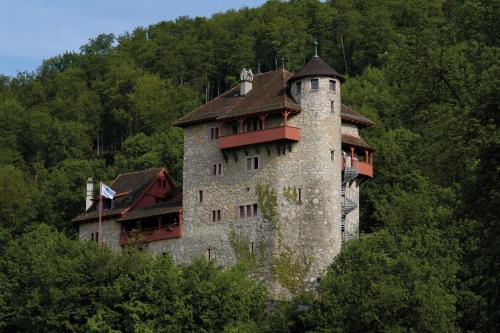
428 260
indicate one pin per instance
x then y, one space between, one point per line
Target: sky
33 30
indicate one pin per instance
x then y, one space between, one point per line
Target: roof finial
315 47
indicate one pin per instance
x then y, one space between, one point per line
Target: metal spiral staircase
348 204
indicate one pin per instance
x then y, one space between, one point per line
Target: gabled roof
129 187
349 115
268 93
317 67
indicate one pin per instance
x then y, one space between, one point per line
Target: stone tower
316 88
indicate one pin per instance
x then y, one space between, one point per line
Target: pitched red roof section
268 93
355 141
131 187
349 115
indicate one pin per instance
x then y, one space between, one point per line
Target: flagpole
99 239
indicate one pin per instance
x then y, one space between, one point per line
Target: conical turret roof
317 67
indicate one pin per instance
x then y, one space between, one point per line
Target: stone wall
110 229
350 129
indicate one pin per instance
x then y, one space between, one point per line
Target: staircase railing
348 203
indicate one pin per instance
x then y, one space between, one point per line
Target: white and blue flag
107 192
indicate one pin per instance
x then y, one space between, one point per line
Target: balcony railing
261 136
364 168
155 234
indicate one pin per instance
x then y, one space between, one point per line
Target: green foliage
51 283
268 203
290 194
389 283
251 262
290 269
427 72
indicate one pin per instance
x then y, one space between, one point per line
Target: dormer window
107 204
314 84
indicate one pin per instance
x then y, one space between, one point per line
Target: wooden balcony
155 234
287 133
364 168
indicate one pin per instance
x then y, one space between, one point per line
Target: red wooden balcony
260 136
155 234
364 168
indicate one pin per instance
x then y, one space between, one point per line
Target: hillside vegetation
427 72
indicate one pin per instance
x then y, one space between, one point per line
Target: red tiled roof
268 93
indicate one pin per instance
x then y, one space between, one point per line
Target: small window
247 211
314 84
209 254
332 107
216 216
200 196
299 195
332 85
96 238
217 169
92 237
299 87
332 155
256 162
252 163
251 248
214 133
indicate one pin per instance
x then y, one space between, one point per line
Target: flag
107 192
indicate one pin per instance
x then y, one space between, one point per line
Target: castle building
275 164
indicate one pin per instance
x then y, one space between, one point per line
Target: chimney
90 193
246 78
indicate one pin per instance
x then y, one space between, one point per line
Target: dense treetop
426 71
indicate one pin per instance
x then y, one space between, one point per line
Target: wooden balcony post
367 156
285 116
221 128
263 118
241 121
